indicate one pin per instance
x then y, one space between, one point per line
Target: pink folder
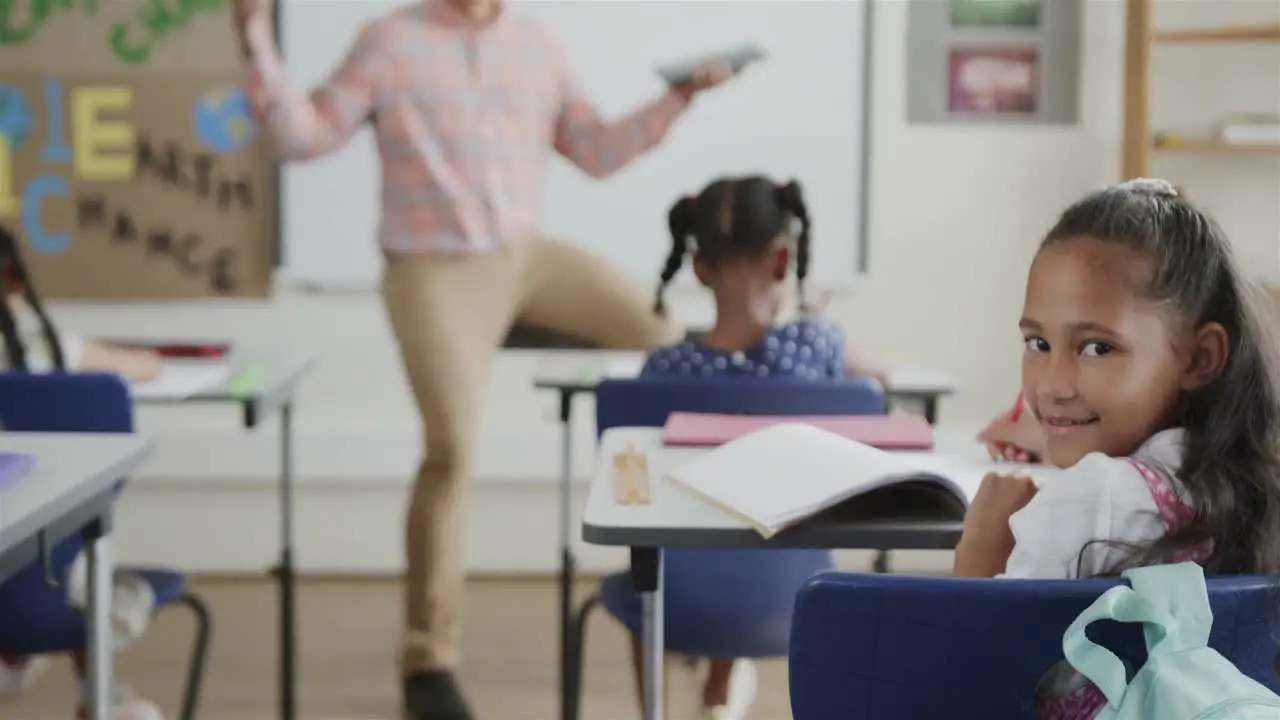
887 432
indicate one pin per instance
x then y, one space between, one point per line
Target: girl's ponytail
15 353
790 199
680 220
15 271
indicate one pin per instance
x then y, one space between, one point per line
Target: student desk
71 490
275 379
675 518
922 386
570 374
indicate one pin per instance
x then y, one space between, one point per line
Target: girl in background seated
740 230
33 344
1148 367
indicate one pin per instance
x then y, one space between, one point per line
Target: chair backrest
35 617
881 646
647 402
772 575
65 402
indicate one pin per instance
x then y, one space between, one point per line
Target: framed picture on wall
995 13
994 80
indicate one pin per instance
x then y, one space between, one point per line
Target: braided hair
733 218
13 272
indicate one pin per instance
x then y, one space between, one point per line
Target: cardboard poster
128 160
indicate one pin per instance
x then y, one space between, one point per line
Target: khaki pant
449 316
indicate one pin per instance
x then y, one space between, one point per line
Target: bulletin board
1001 61
129 163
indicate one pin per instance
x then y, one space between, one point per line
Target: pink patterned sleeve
306 126
598 146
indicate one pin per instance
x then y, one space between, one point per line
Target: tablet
681 71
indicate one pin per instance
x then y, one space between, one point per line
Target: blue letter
56 152
32 202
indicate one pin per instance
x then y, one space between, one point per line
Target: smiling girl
1149 371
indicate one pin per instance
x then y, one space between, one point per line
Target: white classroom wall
955 215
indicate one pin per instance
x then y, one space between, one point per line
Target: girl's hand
132 364
141 365
1020 440
987 541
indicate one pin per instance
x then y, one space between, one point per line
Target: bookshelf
1141 37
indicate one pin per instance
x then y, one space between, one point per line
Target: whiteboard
797 114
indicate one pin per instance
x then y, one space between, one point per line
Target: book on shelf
1250 129
783 474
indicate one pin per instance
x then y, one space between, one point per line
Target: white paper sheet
180 380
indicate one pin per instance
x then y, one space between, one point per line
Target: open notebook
778 476
179 380
888 432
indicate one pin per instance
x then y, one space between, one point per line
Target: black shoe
434 695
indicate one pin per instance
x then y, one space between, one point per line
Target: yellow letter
8 203
104 150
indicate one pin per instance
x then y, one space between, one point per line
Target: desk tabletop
70 469
676 518
581 372
274 371
273 379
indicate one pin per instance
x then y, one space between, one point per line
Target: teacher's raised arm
306 126
601 147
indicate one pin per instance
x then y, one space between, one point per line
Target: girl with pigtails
739 234
32 344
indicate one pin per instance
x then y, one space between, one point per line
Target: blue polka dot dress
808 349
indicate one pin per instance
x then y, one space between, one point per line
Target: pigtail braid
790 199
680 220
15 353
16 270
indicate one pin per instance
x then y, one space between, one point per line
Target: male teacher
466 103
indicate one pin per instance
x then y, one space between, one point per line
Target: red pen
1016 412
191 351
181 350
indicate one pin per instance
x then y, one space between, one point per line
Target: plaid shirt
464 118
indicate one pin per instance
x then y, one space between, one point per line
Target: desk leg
285 572
100 688
881 563
646 578
568 564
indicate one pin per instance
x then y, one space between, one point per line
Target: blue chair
37 618
718 603
886 646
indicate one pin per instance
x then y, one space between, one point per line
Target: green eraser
246 383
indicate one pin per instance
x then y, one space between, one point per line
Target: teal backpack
1183 678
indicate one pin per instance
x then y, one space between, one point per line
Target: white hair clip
1150 186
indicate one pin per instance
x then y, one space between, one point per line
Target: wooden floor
349 634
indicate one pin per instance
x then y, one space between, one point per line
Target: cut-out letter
104 149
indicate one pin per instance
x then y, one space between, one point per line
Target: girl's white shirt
1073 525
